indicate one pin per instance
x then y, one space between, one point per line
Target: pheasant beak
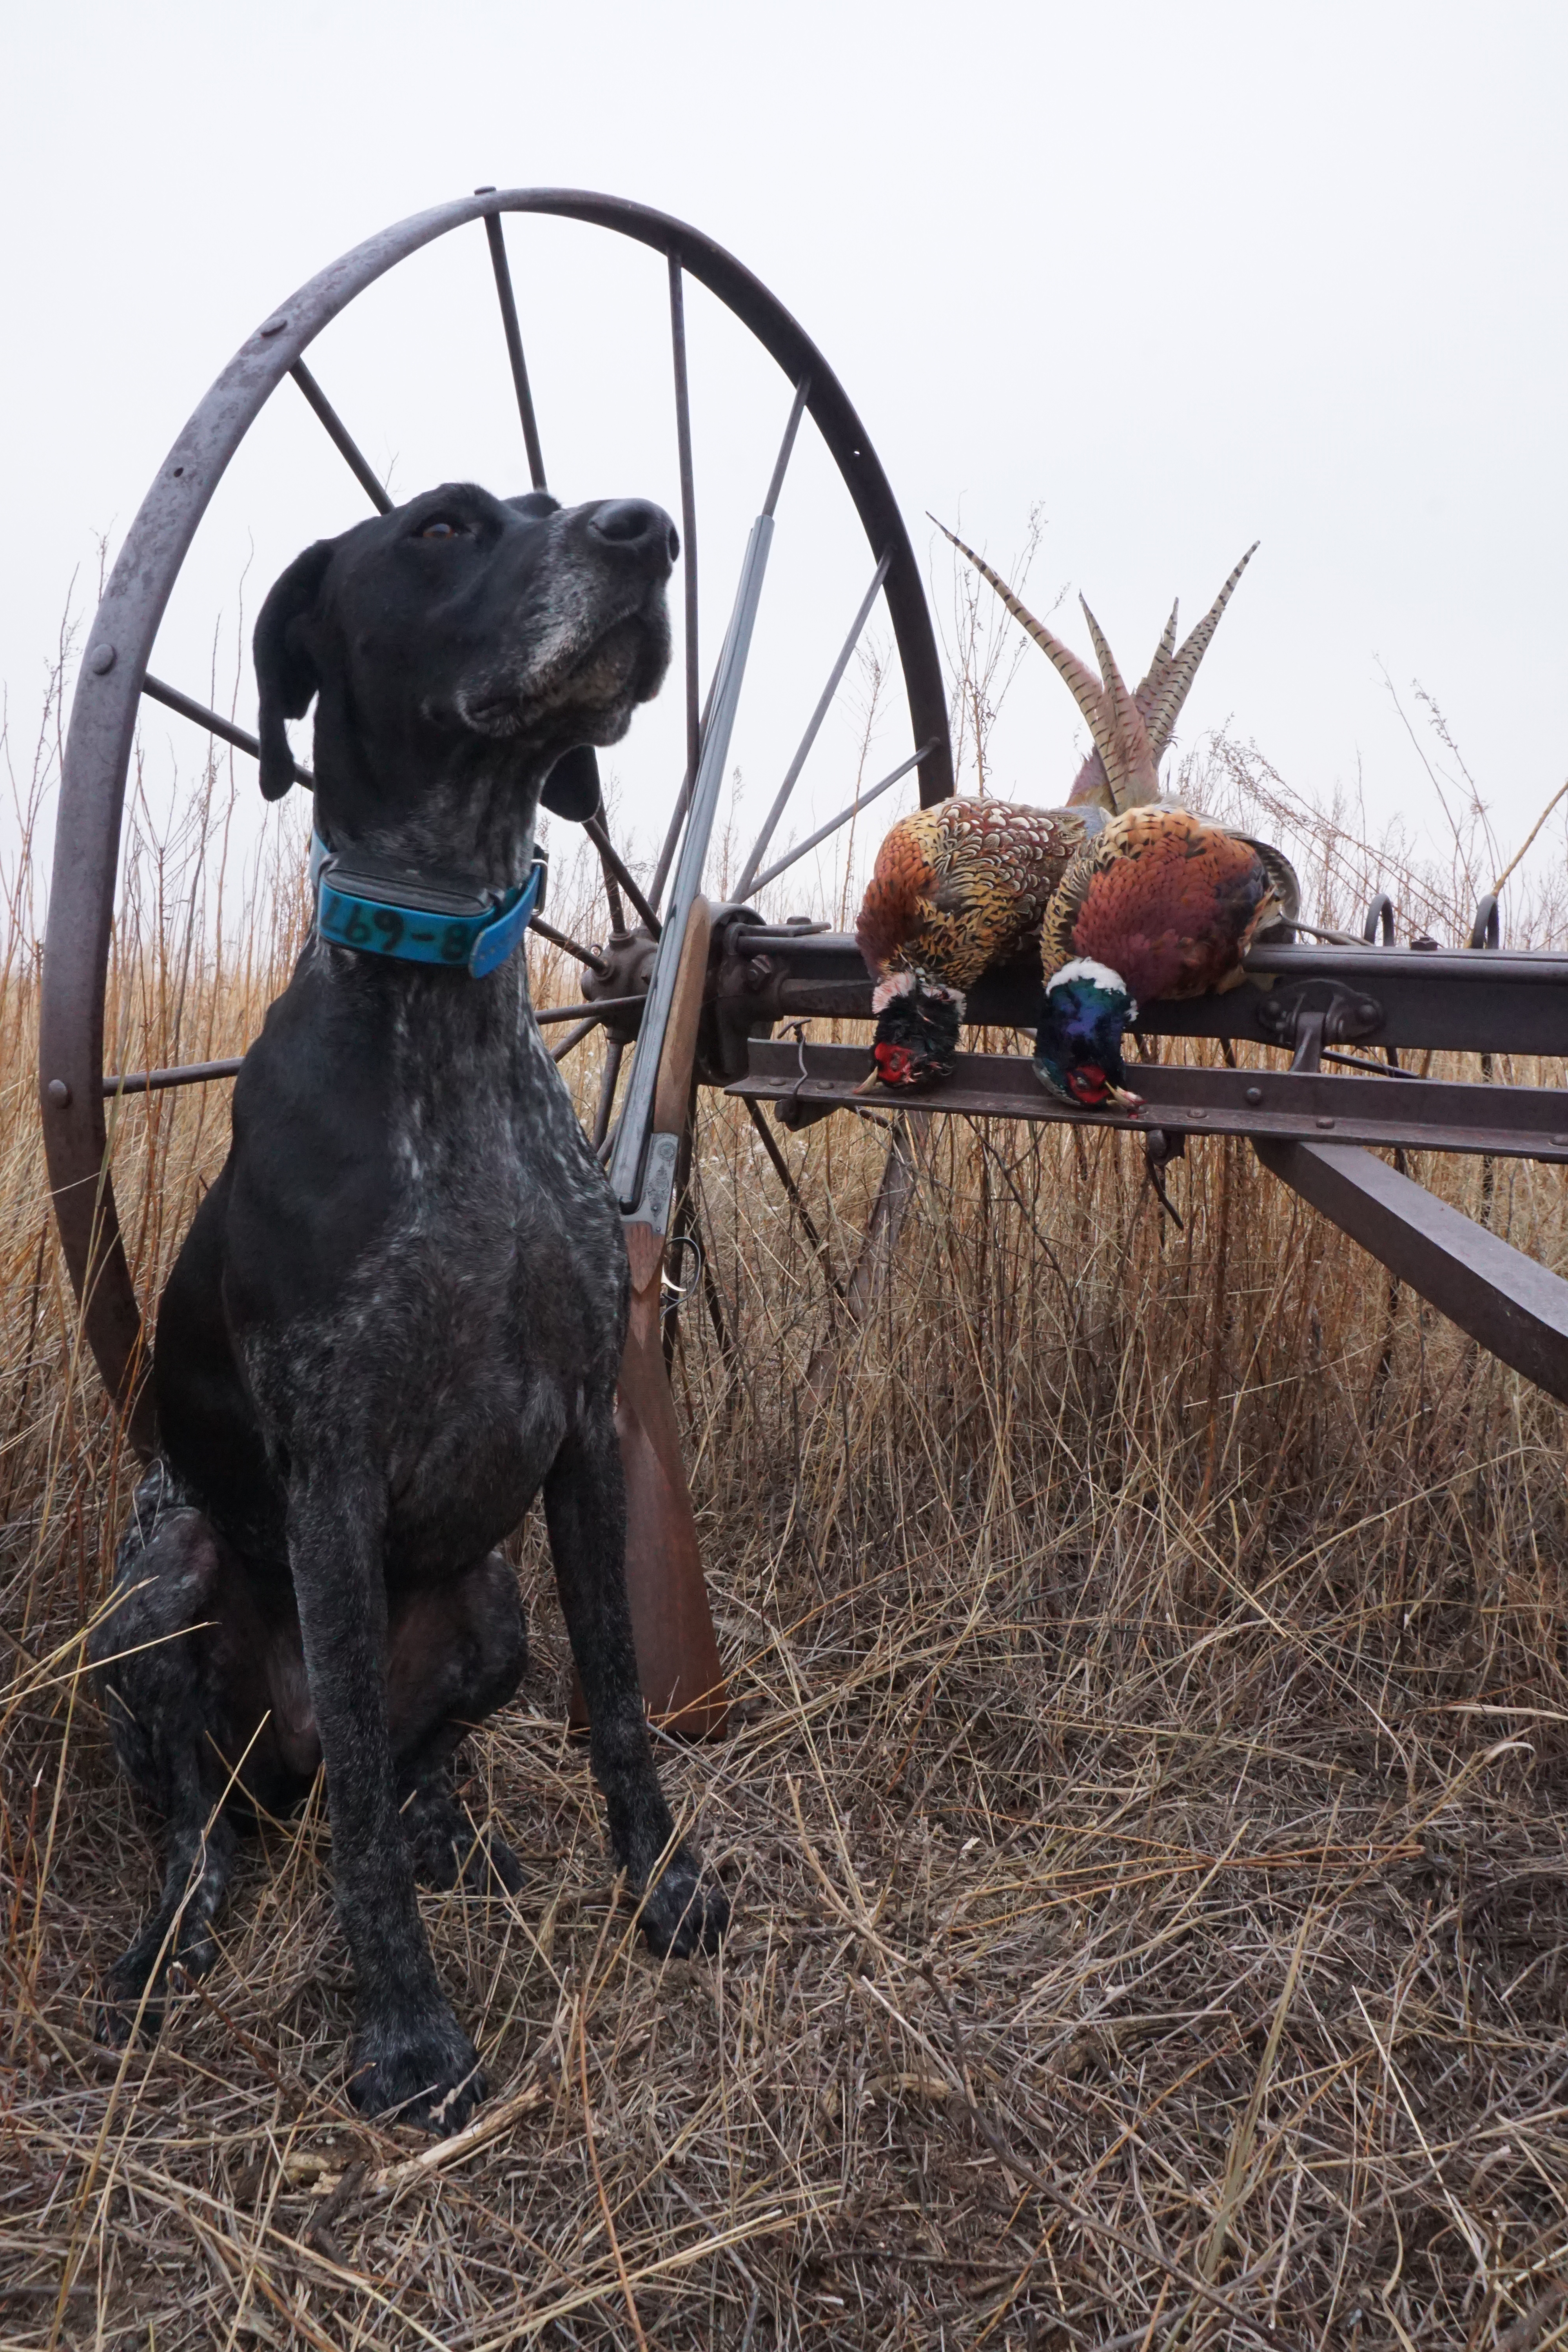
1132 1103
869 1084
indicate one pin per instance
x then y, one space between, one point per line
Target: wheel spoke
559 940
688 501
761 881
574 1037
823 703
340 434
173 700
594 829
576 1012
515 343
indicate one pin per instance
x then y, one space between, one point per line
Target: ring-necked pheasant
962 885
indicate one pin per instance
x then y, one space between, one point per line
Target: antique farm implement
700 990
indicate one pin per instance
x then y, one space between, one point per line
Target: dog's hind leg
455 1656
410 2053
585 1505
153 1665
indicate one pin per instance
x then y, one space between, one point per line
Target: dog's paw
424 2071
683 1914
447 1852
147 1968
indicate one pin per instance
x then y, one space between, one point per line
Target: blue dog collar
456 929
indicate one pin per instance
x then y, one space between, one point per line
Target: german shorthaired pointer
399 1311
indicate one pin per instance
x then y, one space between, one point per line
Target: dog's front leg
585 1509
410 2053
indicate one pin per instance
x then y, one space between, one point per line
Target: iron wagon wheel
115 671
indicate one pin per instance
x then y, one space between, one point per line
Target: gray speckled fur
398 1316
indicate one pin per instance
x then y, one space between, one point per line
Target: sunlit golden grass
1144 1822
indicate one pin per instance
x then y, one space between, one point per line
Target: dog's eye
440 528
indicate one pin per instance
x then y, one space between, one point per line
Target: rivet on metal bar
340 434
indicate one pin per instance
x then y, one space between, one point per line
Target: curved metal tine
613 866
761 881
173 700
560 939
749 871
613 1059
514 333
341 434
574 1037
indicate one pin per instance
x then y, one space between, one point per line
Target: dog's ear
572 788
285 675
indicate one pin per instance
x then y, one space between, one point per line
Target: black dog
399 1311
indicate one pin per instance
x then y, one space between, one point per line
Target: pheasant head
1078 1048
918 1019
1131 731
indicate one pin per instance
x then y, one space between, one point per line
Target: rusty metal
514 333
103 715
628 881
629 959
183 1074
1453 1000
1278 1105
1504 1299
590 956
343 439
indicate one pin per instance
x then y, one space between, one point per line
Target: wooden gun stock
678 1656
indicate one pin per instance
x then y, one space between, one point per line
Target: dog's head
463 634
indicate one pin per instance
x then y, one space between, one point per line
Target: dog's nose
637 526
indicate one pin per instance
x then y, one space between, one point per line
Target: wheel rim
110 688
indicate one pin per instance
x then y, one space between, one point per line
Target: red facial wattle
895 1065
1086 1082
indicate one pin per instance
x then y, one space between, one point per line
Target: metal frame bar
1511 1306
761 881
1270 1106
514 333
343 439
824 704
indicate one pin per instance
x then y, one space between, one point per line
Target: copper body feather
962 886
1169 902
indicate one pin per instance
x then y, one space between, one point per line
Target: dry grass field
1145 1821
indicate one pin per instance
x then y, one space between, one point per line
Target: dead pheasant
955 888
961 887
1160 904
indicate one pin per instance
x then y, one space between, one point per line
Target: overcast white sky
1181 277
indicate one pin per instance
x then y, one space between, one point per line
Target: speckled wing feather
1165 899
961 886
